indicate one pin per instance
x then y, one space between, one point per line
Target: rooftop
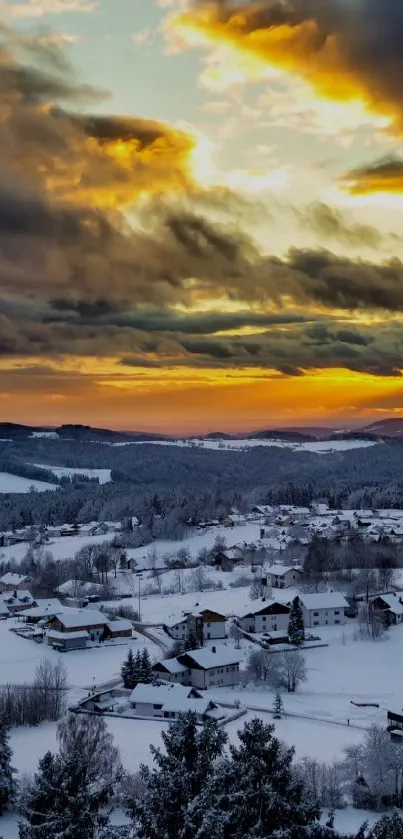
206 659
324 600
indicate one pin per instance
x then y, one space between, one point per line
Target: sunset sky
201 209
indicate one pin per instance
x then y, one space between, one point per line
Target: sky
201 211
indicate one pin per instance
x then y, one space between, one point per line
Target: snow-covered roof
20 596
159 694
206 659
266 606
82 617
11 579
44 608
281 570
393 602
53 633
172 665
77 587
324 600
121 624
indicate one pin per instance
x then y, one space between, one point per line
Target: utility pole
139 579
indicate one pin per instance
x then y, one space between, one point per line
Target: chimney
214 649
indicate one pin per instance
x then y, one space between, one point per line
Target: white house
211 667
13 582
389 607
205 625
281 576
323 608
17 600
169 701
202 668
269 616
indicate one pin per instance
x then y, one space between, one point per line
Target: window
336 611
157 707
337 621
316 614
316 623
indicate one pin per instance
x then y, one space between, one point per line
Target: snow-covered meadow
241 444
14 483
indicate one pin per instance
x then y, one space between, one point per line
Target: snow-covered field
103 475
19 658
14 483
317 446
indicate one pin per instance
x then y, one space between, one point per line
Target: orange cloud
347 52
382 176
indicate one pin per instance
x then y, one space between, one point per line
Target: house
191 624
78 620
228 558
205 625
211 668
282 576
267 617
65 641
119 628
170 701
171 670
395 724
13 582
389 607
323 608
17 600
44 610
201 669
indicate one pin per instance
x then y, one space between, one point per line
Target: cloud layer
110 247
346 51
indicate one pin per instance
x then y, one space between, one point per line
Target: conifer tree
138 669
254 793
128 671
278 707
146 667
191 642
7 784
177 778
296 629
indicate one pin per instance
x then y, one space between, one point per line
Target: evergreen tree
128 671
296 629
177 777
138 669
278 707
61 802
146 667
190 642
254 793
388 827
7 784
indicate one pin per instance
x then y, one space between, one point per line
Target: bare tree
87 737
256 589
236 634
291 670
51 688
198 578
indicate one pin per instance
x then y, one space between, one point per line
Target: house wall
217 676
175 678
264 623
290 578
146 709
213 629
323 617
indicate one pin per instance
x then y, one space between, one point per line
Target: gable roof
170 665
161 693
206 659
271 607
392 602
282 570
324 600
11 579
82 617
45 608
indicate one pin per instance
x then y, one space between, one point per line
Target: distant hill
80 433
288 434
384 428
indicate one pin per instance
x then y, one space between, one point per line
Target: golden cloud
347 52
382 176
